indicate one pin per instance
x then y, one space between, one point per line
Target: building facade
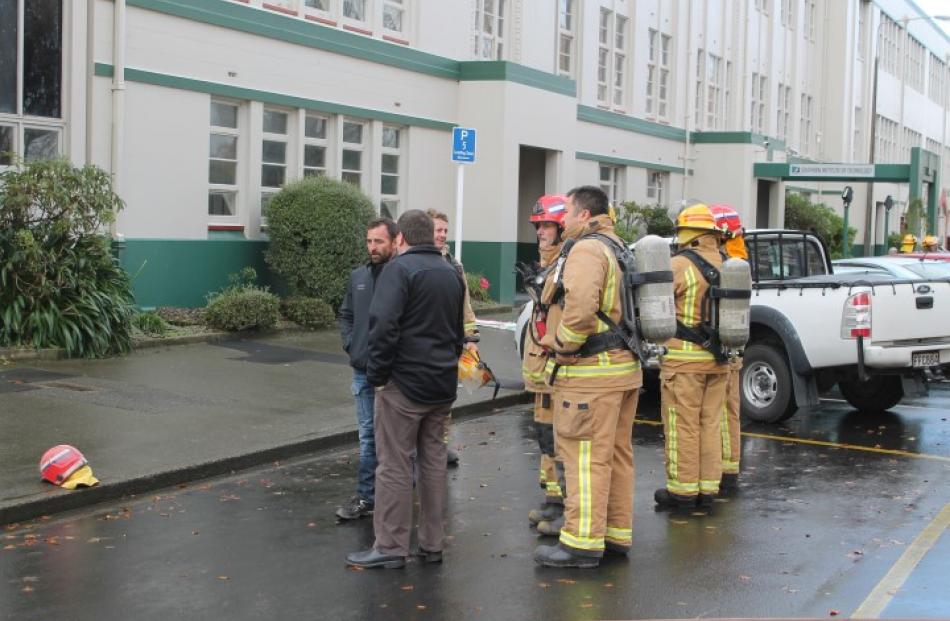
203 109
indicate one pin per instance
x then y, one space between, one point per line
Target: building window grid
565 42
933 146
911 139
788 14
353 141
489 39
808 23
657 183
394 16
658 74
862 30
890 32
603 56
914 73
619 60
885 147
857 148
390 170
223 150
757 103
699 91
783 110
275 139
714 117
727 94
315 145
611 182
938 81
807 103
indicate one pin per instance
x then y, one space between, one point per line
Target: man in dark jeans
415 340
354 329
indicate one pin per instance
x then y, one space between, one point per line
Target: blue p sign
463 144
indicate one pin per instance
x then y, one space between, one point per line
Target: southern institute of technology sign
831 170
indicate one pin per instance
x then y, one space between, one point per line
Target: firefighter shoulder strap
705 334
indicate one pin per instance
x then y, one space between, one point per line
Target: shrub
802 214
634 220
310 312
181 316
60 286
244 308
150 323
478 287
317 229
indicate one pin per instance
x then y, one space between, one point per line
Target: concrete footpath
169 415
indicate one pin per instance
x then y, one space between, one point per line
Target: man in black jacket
354 329
416 336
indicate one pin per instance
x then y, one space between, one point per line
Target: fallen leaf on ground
566 581
223 578
420 606
407 587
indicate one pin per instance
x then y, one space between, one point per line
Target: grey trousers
403 426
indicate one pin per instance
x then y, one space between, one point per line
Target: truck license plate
926 359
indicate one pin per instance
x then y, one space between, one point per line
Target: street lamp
846 195
869 209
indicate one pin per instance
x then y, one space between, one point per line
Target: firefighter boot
553 527
548 512
559 556
729 483
665 499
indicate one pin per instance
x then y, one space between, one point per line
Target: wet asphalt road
814 528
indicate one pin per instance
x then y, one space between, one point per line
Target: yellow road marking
883 593
853 447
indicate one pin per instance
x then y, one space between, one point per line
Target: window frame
657 186
498 41
362 147
399 174
313 141
568 33
268 191
613 185
221 187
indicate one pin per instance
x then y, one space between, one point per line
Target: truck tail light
856 318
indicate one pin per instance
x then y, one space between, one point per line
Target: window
223 161
315 146
31 74
390 171
394 13
352 157
489 29
273 154
611 182
355 10
910 139
885 140
727 94
565 41
889 35
320 5
808 26
862 29
914 71
857 149
806 127
938 80
783 108
933 146
658 74
714 89
657 183
762 6
700 68
788 14
758 113
620 59
776 258
603 55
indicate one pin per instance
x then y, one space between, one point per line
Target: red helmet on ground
550 208
727 220
60 462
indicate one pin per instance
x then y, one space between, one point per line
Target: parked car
898 266
869 332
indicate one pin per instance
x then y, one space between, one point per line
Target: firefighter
930 244
548 218
730 226
596 383
908 243
693 379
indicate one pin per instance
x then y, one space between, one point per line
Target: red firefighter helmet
550 208
60 462
727 220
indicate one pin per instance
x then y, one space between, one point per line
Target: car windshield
929 269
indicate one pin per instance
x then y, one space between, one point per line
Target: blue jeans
364 394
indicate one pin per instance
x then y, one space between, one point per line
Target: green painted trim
279 99
495 261
900 173
620 161
630 123
484 70
736 138
273 25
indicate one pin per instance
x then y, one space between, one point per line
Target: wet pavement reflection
812 530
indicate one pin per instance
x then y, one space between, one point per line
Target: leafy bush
242 305
478 287
150 323
802 214
634 220
317 229
181 316
60 286
310 312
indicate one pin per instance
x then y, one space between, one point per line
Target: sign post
463 152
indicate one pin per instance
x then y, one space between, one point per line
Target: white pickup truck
872 335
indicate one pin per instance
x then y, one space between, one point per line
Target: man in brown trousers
415 340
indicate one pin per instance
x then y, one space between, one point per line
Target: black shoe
370 559
354 509
548 512
425 556
704 501
729 482
615 549
559 556
451 457
665 499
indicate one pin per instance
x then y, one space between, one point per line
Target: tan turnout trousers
731 430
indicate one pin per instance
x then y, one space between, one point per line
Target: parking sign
463 144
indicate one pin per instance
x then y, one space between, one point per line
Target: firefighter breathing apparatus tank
654 297
735 279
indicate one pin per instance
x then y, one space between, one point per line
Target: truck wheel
766 385
875 395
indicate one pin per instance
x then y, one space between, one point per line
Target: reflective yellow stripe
610 288
568 335
538 376
581 543
689 314
730 467
683 489
470 327
672 468
724 434
583 487
700 355
542 477
709 487
624 535
612 370
553 489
